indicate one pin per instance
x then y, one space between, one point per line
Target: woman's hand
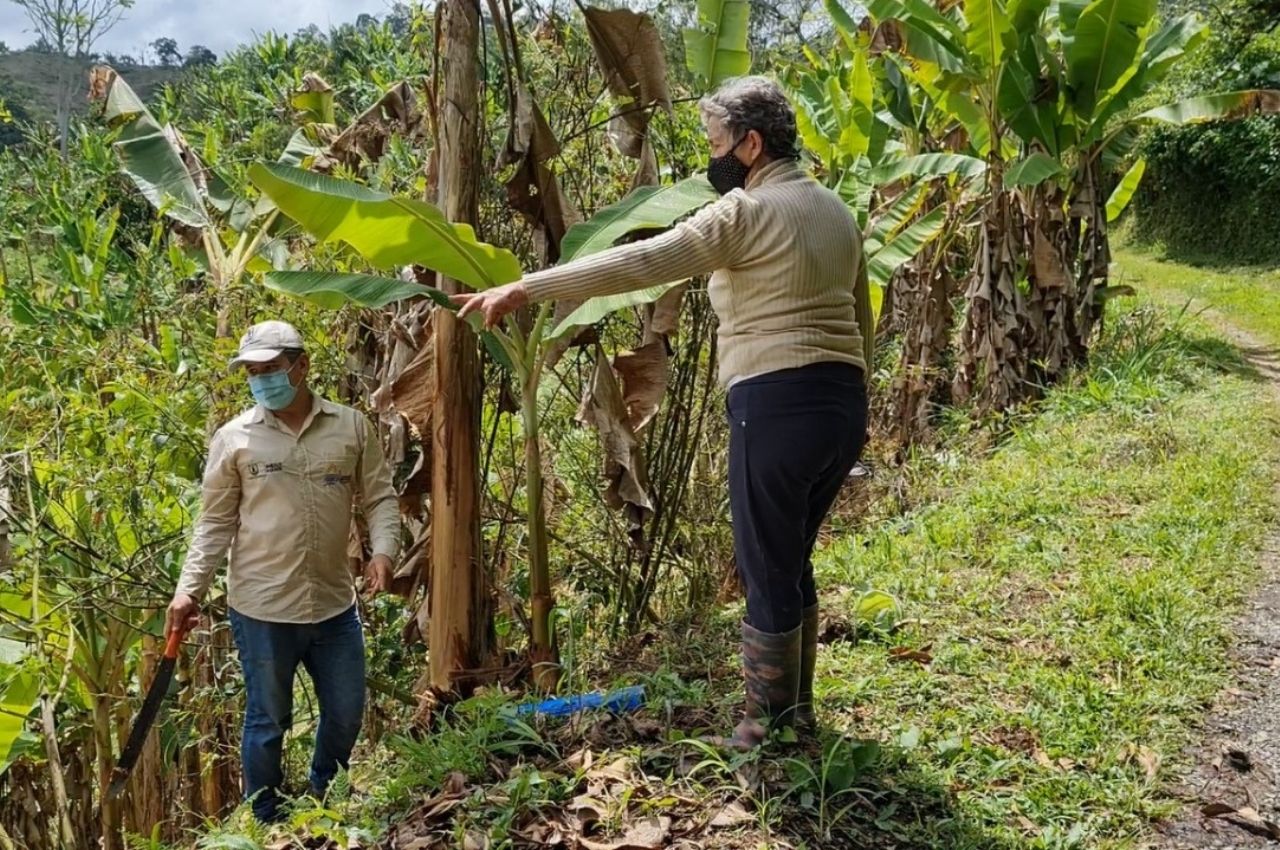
492 304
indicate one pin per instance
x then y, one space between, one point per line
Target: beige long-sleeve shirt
281 503
787 279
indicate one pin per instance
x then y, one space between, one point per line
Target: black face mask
727 172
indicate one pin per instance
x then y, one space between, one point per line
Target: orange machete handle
174 641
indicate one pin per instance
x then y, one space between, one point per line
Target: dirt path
1232 792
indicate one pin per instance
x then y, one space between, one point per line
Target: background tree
11 115
200 55
167 52
71 28
1209 190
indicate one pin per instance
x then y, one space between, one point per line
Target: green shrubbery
1210 190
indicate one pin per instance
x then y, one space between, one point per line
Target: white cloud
217 24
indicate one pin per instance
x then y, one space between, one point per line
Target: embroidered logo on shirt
257 470
333 479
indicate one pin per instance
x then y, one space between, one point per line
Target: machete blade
146 717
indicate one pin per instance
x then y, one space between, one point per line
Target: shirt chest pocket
333 468
258 468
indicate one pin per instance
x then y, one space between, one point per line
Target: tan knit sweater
786 284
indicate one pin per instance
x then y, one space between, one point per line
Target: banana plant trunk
922 302
103 753
459 621
1057 339
993 356
542 652
1090 240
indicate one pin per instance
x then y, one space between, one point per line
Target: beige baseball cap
266 341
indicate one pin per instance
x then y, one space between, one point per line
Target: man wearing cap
278 490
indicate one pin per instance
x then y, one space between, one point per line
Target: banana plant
236 236
848 112
19 688
389 232
1070 87
167 172
716 48
1043 90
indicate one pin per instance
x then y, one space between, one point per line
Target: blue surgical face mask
274 390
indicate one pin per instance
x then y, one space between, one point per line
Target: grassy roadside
1073 593
1248 298
1062 614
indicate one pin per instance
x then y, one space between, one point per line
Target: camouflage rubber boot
771 667
806 720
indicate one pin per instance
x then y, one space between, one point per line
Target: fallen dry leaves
616 805
1246 817
921 656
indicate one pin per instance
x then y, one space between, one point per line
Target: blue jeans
332 651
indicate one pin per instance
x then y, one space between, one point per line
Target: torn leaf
603 408
644 382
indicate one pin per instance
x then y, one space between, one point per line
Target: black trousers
794 436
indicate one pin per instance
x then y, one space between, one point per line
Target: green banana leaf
1066 13
1216 107
988 23
844 22
1025 15
1125 189
1170 43
929 165
812 122
646 208
1033 170
716 49
1033 118
1104 45
904 246
898 93
926 21
925 46
316 106
299 148
150 158
388 231
856 136
970 115
18 694
594 309
889 220
333 290
1160 54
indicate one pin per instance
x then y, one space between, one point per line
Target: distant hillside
29 82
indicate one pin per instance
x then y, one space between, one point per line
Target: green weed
1067 599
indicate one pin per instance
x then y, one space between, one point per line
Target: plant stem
31 269
48 728
546 666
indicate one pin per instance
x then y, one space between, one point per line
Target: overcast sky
217 24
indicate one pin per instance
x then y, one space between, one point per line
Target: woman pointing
790 292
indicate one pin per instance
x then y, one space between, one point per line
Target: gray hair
755 103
